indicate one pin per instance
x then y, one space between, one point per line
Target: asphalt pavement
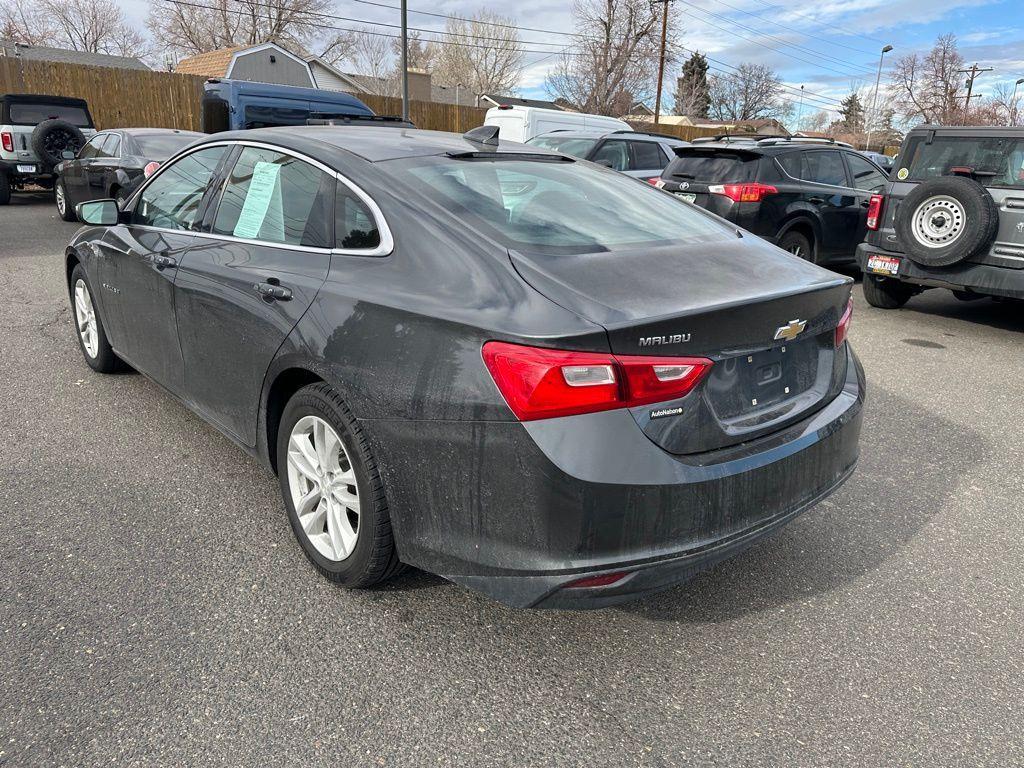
156 610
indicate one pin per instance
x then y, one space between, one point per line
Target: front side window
865 175
554 207
824 167
614 154
276 198
91 147
172 199
108 147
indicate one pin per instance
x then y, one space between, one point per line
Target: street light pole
661 59
1013 102
800 110
405 60
874 98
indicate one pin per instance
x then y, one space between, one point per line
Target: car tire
798 244
5 189
946 220
60 198
885 292
92 337
321 444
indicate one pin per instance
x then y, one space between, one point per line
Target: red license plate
883 265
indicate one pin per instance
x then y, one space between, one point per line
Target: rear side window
713 167
172 199
995 161
32 114
354 228
824 167
647 155
276 198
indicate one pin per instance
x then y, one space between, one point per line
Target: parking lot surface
157 611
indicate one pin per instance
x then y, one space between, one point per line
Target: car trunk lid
765 318
695 169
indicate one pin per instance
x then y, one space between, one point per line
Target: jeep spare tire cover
946 220
51 137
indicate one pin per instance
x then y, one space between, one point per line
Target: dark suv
809 197
634 153
952 216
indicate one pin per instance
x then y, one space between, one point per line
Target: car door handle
272 292
165 262
816 200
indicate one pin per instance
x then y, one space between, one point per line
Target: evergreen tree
691 95
852 113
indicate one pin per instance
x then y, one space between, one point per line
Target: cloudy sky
828 46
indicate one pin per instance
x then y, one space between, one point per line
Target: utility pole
405 59
1013 102
974 71
661 59
874 97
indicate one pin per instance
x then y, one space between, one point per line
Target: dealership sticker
902 174
663 412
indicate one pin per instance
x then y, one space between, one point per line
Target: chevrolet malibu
531 375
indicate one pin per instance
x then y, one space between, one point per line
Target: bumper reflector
602 580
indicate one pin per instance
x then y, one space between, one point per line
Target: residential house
12 49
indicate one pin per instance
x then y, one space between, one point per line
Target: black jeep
951 216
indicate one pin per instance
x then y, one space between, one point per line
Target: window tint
160 146
647 155
792 164
997 161
824 168
614 152
268 117
172 199
354 226
713 167
276 198
31 114
91 147
110 146
865 175
555 208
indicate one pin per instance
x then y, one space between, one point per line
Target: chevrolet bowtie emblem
791 330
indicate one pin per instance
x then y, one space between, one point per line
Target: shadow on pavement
882 507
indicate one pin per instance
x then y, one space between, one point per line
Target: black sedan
112 163
530 374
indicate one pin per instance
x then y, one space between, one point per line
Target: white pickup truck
36 133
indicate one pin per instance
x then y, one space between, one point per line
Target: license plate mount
687 196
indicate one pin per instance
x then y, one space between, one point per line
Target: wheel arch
278 391
804 224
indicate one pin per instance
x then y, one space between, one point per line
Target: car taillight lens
150 169
743 193
8 140
539 383
653 181
843 329
875 211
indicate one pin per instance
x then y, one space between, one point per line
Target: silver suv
951 216
36 133
634 153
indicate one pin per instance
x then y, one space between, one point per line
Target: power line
821 23
462 18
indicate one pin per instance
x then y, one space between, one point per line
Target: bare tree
97 26
615 63
1006 103
373 56
186 28
928 87
420 54
482 52
752 92
818 122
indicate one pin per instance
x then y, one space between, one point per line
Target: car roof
374 143
152 131
632 135
970 130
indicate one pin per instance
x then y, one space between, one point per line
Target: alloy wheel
85 317
323 486
61 199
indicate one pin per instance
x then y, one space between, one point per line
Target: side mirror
101 213
67 154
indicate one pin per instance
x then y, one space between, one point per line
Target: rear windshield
995 161
33 114
554 207
160 146
712 167
577 147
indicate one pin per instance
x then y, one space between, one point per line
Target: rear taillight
743 193
539 383
843 329
653 181
875 211
8 140
150 169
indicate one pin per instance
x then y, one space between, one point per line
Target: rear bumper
980 278
10 169
519 511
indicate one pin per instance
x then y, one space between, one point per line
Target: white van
523 123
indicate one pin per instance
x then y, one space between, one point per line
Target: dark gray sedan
112 163
530 374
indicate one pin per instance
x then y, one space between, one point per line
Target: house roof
210 63
62 55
